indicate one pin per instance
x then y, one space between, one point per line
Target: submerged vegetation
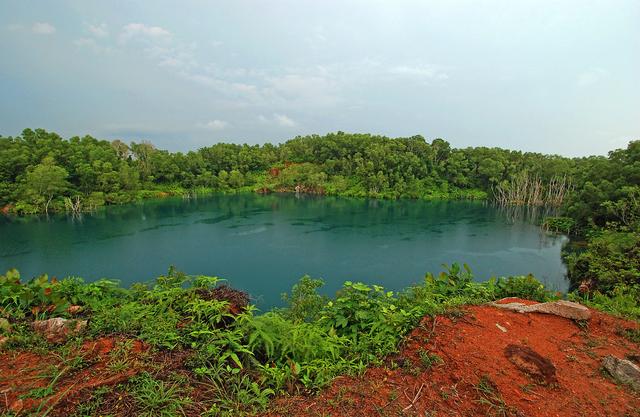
236 356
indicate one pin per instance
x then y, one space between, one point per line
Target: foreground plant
239 359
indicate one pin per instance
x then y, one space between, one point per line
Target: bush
611 258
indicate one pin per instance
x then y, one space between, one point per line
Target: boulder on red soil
531 363
57 329
623 371
562 308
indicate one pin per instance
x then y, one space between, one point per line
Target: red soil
22 373
472 348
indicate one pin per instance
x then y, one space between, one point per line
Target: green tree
236 180
46 181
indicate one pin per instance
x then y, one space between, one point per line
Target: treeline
605 208
42 172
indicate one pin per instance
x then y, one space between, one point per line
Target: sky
557 77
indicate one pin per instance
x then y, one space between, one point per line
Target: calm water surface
264 244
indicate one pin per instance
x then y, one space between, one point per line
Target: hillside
472 360
460 365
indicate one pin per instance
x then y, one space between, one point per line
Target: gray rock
57 329
623 371
562 308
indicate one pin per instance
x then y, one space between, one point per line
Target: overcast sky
550 76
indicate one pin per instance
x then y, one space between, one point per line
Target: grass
156 398
491 398
429 359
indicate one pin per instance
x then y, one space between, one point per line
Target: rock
623 371
57 329
531 363
504 330
73 310
3 340
562 308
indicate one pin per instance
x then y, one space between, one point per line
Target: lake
264 243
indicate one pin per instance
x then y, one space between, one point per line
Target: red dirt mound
488 361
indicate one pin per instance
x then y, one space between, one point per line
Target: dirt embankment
488 361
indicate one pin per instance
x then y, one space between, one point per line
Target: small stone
57 329
623 371
501 328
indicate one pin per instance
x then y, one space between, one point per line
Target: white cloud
590 77
278 119
136 30
213 125
43 28
284 120
99 31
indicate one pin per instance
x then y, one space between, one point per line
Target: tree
46 181
121 149
236 180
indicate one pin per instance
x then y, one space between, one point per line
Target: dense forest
42 172
597 198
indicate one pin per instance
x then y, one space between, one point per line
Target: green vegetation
605 209
42 172
243 358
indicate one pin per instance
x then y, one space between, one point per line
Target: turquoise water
264 244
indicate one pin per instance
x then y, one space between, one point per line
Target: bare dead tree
526 190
